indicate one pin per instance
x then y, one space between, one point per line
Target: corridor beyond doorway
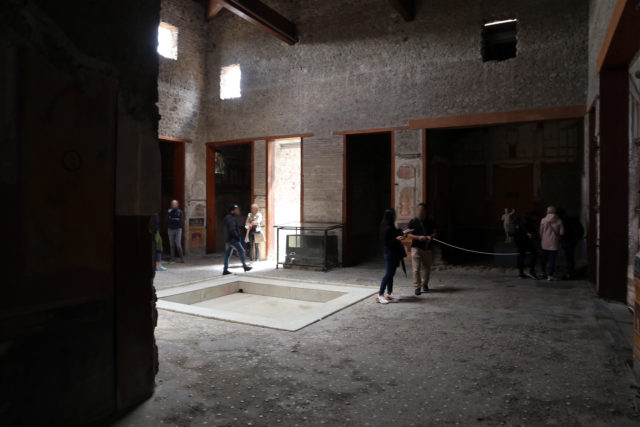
368 190
284 189
229 178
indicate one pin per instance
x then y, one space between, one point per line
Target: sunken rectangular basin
272 303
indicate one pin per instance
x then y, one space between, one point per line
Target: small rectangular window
230 78
499 40
168 40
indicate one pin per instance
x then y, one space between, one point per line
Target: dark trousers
570 252
550 257
391 264
525 245
238 247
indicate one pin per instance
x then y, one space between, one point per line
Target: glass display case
309 244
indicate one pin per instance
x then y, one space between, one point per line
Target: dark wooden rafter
213 9
406 9
258 14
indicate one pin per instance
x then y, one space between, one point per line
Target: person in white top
254 235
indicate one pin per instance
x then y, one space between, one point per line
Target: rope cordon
472 251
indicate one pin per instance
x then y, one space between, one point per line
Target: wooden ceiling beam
406 8
214 8
261 15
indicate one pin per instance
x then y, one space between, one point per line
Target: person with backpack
522 229
573 233
394 253
551 231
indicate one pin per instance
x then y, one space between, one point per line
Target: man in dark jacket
233 238
175 218
524 229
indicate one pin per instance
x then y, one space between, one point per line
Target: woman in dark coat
393 253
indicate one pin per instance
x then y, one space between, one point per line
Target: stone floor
482 349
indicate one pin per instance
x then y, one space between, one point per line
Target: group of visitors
421 230
243 240
553 232
556 231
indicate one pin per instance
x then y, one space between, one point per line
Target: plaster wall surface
181 91
358 65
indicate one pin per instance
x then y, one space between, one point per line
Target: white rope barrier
472 251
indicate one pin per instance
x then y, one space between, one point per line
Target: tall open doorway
172 153
368 191
229 182
284 189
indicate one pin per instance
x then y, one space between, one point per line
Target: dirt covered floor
483 348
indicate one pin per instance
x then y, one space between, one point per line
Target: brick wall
181 85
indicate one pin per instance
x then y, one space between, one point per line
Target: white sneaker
381 299
551 279
391 298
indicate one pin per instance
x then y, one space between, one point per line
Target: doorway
229 182
367 193
284 190
172 155
474 174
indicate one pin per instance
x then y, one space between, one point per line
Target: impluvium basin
258 301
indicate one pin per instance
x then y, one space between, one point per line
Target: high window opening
499 40
168 40
230 78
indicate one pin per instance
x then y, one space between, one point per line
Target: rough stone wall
181 90
358 65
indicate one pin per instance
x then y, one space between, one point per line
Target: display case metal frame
318 227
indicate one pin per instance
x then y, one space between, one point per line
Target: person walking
524 229
393 253
175 218
551 231
424 230
232 239
573 233
254 235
